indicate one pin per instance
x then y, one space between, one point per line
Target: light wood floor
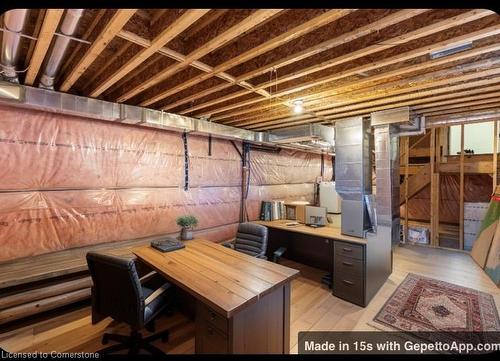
313 307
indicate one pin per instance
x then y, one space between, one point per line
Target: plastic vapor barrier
67 182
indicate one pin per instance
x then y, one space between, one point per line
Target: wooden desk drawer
349 249
348 287
349 266
209 339
206 313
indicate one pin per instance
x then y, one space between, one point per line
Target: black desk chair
117 292
250 239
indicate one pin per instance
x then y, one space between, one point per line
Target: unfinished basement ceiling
246 68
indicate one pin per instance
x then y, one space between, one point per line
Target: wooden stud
461 190
119 19
169 33
434 189
49 27
495 155
250 22
407 164
36 31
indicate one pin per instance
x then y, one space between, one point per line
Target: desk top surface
328 231
224 279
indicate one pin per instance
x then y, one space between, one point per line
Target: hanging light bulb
297 106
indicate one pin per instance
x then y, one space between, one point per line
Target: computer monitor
315 216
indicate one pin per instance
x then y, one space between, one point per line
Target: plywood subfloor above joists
246 67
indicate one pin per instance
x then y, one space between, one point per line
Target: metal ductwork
63 103
68 27
353 173
386 139
304 136
14 23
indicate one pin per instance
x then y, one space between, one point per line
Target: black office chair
250 239
117 292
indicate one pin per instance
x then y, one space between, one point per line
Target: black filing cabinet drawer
349 266
349 250
349 287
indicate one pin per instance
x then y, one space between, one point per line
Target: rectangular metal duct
57 102
387 182
310 135
353 173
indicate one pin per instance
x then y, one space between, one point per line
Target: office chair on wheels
117 292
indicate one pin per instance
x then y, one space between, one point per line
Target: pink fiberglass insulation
68 181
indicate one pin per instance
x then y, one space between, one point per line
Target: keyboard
167 245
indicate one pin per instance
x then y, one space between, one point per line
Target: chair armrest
228 244
157 293
147 276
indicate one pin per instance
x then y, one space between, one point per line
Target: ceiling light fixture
297 106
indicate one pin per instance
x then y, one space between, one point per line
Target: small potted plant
188 223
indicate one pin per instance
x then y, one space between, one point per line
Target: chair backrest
251 239
116 290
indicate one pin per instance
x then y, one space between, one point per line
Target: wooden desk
243 303
359 266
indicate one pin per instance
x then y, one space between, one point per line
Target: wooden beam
119 19
480 100
398 101
389 43
340 108
344 38
49 27
495 155
210 18
294 33
434 192
36 31
136 39
416 182
461 191
170 32
85 36
477 117
466 108
245 25
335 91
407 164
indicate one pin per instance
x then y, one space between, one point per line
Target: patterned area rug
422 304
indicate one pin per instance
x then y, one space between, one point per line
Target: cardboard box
296 211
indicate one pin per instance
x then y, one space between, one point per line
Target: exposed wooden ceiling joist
320 97
47 31
480 34
172 54
247 24
261 49
172 30
119 19
344 38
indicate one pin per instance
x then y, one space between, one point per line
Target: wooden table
243 303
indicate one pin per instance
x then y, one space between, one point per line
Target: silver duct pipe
386 139
14 23
353 173
68 27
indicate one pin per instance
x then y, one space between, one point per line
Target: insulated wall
67 182
287 175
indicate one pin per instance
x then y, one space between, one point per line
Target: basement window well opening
477 139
